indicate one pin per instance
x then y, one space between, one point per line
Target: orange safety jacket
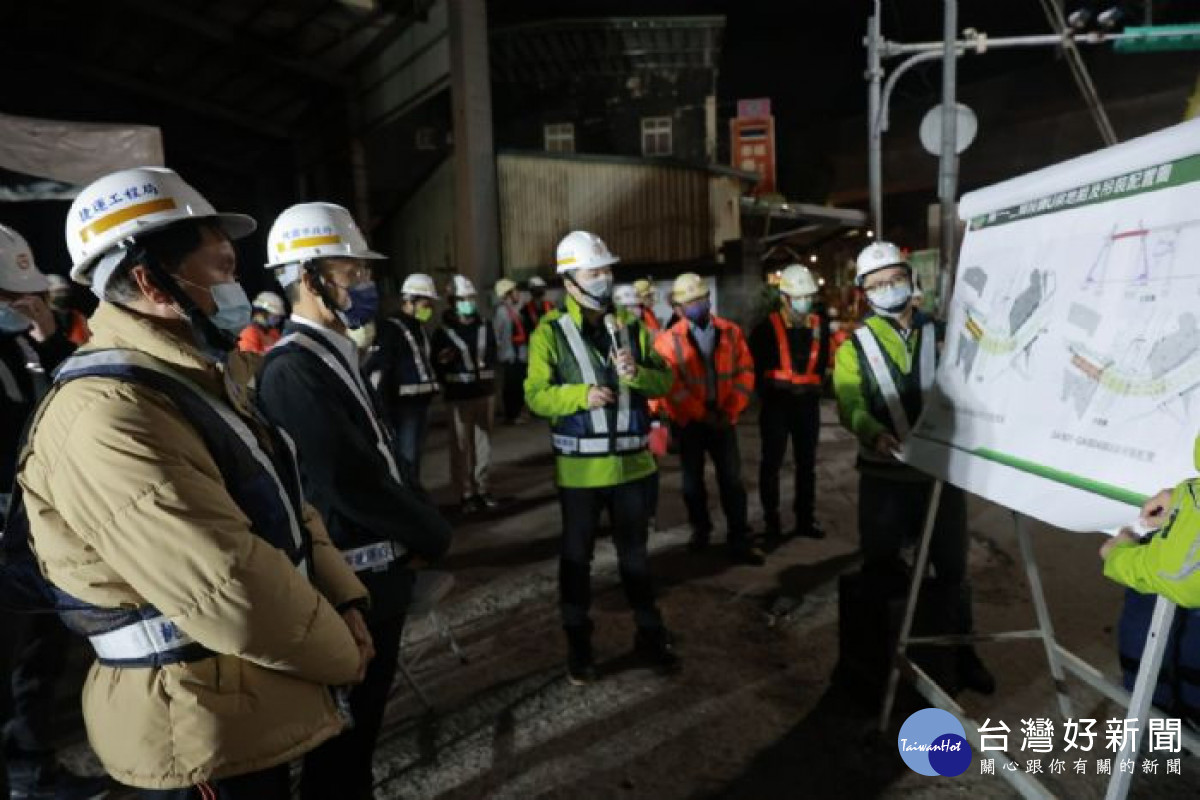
78 333
688 400
651 322
255 339
786 374
535 310
519 335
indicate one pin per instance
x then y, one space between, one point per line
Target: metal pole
900 656
874 122
1045 625
948 166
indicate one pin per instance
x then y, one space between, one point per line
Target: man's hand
1154 511
627 368
886 444
39 314
600 396
1126 536
362 637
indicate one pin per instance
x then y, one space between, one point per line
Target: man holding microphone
591 372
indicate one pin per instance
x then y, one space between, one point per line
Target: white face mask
596 293
890 301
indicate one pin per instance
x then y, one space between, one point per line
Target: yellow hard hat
688 287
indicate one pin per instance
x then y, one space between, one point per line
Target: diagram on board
1140 256
1000 328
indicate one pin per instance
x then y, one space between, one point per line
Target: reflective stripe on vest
143 637
374 557
420 354
357 390
582 356
877 363
474 368
519 336
785 373
597 445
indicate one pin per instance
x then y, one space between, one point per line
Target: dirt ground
754 713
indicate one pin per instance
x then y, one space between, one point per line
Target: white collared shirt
341 342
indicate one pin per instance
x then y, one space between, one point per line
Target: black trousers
628 508
341 767
697 440
34 656
268 784
513 391
891 513
784 418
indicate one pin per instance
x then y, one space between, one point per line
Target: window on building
656 136
560 137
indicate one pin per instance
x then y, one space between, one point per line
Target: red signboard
752 143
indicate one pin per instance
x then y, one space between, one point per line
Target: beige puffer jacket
127 507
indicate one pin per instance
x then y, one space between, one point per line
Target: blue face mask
891 300
465 308
364 305
698 313
233 307
13 321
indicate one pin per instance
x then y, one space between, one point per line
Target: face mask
890 301
13 321
465 308
364 304
537 294
597 292
698 313
233 307
273 320
423 314
802 305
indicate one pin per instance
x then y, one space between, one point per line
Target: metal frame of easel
1060 659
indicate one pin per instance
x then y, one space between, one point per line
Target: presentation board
1067 383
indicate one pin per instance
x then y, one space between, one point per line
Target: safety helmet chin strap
312 268
213 341
601 305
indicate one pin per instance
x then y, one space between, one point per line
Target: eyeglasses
882 284
346 279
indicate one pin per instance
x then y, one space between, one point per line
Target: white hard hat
688 287
625 295
583 250
797 281
18 272
419 284
537 282
877 256
270 302
504 286
129 203
460 286
314 230
57 283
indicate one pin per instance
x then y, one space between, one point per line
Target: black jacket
344 473
19 390
459 382
395 371
764 349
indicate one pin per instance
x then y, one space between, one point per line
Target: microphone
619 338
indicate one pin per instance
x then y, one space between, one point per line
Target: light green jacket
1168 564
548 398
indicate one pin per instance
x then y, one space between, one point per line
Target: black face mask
537 294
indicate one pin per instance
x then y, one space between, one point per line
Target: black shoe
813 531
581 666
747 553
487 502
699 541
972 673
656 648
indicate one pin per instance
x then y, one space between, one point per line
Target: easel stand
1060 660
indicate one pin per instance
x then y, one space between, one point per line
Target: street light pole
874 129
948 166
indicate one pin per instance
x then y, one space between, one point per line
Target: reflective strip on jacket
688 399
